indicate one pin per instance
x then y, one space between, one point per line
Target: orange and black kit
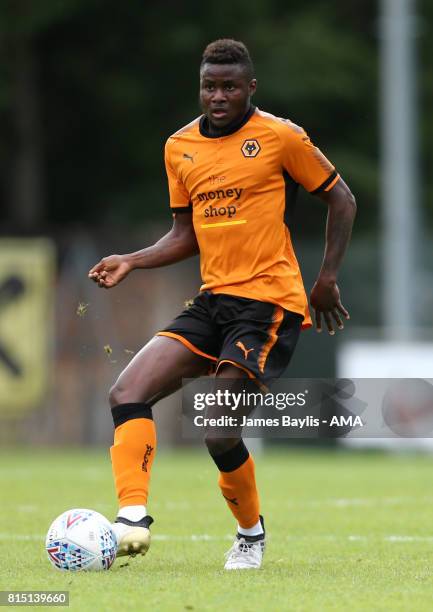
258 337
240 186
133 452
238 484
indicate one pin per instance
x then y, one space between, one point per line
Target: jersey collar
228 129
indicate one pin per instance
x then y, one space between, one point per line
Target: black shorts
257 337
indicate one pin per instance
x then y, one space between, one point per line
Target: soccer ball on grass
81 539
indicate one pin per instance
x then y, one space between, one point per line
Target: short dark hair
228 51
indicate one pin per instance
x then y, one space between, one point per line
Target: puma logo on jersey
190 157
245 351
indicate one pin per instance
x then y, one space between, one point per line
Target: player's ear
252 87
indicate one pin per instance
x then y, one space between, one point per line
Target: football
81 539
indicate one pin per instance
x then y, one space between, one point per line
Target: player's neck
207 128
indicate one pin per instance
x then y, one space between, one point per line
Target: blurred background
89 92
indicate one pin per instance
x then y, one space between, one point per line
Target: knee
125 393
218 446
118 395
113 395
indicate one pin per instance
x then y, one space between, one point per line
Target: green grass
346 531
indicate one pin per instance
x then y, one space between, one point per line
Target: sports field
346 531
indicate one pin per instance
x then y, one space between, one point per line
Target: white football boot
133 537
246 552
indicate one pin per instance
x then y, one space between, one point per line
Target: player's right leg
155 372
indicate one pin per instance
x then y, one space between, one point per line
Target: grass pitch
346 531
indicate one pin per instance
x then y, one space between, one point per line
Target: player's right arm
178 244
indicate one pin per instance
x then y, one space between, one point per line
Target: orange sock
238 484
133 452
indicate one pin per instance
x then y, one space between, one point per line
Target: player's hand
325 299
110 270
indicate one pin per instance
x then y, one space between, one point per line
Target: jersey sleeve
179 196
305 163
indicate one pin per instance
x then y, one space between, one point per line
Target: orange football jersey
239 187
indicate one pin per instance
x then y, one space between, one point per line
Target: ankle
255 530
132 513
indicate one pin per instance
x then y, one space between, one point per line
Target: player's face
225 92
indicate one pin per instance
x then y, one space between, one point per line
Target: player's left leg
237 482
258 341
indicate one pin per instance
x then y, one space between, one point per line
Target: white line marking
403 538
19 537
367 501
204 537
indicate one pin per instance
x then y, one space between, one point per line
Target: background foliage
89 91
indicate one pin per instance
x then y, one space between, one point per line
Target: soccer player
232 174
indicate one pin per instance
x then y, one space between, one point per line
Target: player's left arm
325 295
